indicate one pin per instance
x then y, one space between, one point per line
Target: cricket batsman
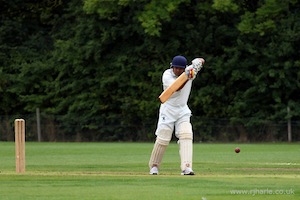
175 114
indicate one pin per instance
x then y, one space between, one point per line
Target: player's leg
185 135
163 137
164 131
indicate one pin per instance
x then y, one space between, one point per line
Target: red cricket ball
237 150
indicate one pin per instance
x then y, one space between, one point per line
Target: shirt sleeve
168 78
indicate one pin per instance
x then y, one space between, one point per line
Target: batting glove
198 63
191 72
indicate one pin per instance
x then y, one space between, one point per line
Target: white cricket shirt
179 98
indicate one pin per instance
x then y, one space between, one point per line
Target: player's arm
169 79
192 70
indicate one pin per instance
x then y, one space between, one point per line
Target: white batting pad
163 136
157 154
184 131
186 153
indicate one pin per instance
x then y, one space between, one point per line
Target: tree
97 65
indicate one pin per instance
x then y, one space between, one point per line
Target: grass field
120 171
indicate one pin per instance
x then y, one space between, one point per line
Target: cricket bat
165 95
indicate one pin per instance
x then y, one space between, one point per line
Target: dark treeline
97 64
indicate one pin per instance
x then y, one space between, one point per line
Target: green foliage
105 9
98 64
265 18
156 13
225 6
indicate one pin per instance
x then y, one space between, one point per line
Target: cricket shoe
154 171
187 171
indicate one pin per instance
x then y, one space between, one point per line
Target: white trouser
171 117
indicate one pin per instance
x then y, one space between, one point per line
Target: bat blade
167 93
